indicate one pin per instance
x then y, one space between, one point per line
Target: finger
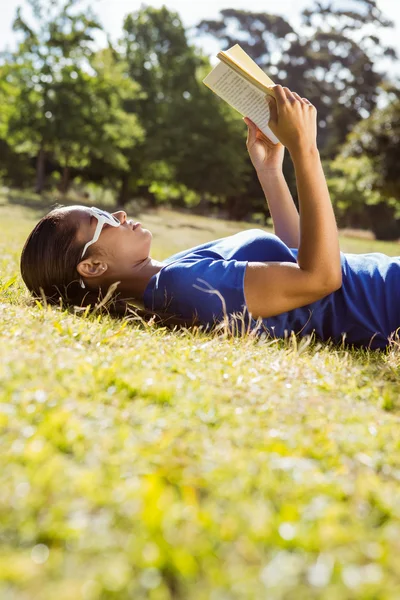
289 95
249 122
251 131
280 96
299 98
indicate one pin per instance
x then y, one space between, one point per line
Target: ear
89 268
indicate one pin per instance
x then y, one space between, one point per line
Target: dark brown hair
48 267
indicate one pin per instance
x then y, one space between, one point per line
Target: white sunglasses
103 218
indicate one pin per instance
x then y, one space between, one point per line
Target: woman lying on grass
296 280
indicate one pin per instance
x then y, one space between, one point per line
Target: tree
341 54
260 34
92 126
59 40
191 137
332 64
15 167
65 100
364 182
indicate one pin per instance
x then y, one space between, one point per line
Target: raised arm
267 159
273 288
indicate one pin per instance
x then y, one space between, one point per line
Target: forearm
283 210
319 251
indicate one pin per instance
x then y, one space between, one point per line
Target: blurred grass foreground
141 463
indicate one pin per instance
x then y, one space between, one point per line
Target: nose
121 216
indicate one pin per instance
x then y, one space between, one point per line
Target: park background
140 462
106 99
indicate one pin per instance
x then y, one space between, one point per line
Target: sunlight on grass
140 462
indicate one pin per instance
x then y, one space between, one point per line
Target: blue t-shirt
207 281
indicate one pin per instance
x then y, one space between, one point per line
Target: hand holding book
295 121
238 80
266 156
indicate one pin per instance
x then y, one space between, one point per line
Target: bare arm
267 159
283 210
273 288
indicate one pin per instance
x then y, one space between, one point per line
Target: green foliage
212 157
377 138
351 188
137 120
143 463
329 64
339 68
93 123
365 185
54 48
65 101
261 34
194 132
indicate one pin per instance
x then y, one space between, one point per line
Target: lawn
141 463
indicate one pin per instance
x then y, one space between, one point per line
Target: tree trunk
123 196
237 208
383 221
65 181
144 192
202 207
40 171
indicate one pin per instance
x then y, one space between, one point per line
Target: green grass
148 464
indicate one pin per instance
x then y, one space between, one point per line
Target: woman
296 280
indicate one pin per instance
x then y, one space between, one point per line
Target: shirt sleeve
207 288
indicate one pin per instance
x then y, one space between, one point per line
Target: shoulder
260 246
195 273
252 245
248 236
205 286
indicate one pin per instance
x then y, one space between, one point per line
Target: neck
135 284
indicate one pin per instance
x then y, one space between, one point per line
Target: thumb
252 131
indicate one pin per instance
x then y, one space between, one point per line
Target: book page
244 97
247 63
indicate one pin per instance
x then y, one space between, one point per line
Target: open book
238 80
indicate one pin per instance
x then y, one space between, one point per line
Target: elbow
326 283
333 282
337 279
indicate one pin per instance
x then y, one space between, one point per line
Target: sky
112 12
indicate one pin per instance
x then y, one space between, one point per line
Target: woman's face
118 249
